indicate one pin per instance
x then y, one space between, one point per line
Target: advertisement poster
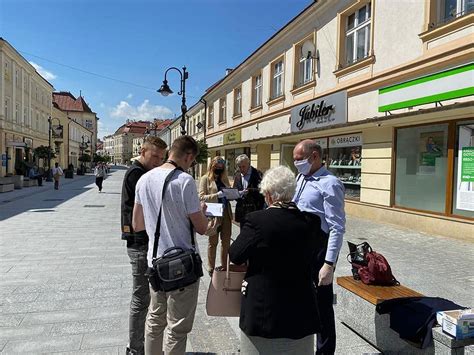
465 180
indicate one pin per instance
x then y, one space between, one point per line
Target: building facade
120 145
25 107
394 114
196 128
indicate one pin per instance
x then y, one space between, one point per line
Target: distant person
279 313
171 314
57 173
100 174
34 175
152 153
210 190
247 181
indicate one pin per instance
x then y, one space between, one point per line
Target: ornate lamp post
165 91
83 146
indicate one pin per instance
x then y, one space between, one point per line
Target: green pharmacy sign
467 164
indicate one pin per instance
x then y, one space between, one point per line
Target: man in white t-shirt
170 312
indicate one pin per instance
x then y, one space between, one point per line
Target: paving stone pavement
65 276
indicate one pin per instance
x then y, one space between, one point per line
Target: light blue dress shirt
323 194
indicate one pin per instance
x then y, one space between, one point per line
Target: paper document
214 210
231 194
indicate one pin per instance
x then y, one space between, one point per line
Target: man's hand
326 274
203 207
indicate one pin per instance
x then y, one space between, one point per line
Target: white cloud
144 111
129 96
102 105
43 72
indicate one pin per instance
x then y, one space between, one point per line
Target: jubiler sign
325 111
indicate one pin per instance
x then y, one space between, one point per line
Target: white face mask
303 166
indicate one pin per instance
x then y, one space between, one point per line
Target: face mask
218 171
303 166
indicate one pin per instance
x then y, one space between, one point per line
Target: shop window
463 186
344 160
421 167
257 87
7 108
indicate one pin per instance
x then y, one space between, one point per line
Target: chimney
228 71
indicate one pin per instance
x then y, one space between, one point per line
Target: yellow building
386 87
25 106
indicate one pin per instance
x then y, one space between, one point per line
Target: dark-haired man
171 312
152 155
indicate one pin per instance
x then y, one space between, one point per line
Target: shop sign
446 85
233 137
15 144
348 140
57 131
322 142
465 174
322 112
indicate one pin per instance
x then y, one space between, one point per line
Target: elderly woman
210 190
279 312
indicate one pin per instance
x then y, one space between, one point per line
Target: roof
133 127
162 124
66 101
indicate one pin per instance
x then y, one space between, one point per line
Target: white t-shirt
181 200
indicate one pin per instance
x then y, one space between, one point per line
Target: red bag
377 271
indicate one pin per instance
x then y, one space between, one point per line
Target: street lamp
83 146
165 91
60 128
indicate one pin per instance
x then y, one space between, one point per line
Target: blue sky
136 41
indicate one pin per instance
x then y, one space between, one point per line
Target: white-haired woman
279 310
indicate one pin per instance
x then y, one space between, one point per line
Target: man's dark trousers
326 339
137 253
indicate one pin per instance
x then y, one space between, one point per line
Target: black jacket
253 200
280 245
133 174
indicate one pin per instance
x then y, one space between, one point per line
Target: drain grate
53 199
6 201
94 206
43 210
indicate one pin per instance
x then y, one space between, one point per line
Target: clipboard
231 194
214 210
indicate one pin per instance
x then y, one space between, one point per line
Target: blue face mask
303 166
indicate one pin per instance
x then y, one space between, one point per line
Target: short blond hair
154 141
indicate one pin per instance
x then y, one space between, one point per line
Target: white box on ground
457 323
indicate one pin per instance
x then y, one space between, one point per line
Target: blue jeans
140 297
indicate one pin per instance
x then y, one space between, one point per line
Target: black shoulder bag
177 268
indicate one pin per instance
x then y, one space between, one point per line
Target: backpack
369 266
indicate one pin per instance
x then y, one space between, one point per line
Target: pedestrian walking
247 181
279 313
321 193
100 173
181 213
210 190
57 173
152 154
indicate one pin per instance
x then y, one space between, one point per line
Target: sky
78 44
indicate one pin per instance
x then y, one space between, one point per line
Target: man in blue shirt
321 193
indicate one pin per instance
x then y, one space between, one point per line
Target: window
210 118
17 78
451 9
257 91
303 63
17 112
238 101
222 110
6 70
88 124
357 35
25 116
7 108
277 79
421 167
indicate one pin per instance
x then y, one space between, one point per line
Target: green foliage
203 152
101 158
41 152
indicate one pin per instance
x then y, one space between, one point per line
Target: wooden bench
356 303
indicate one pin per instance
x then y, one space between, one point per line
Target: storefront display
345 160
464 171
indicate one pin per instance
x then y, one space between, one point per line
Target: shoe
211 271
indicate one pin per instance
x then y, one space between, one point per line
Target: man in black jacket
152 154
247 181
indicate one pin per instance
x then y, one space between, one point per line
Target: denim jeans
140 297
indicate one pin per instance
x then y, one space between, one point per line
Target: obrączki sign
322 112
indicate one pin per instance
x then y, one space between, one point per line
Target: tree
203 152
85 158
41 152
101 158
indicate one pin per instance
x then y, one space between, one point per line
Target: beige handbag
224 294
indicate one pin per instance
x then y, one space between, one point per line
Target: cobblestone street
65 276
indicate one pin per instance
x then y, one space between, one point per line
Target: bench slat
375 294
